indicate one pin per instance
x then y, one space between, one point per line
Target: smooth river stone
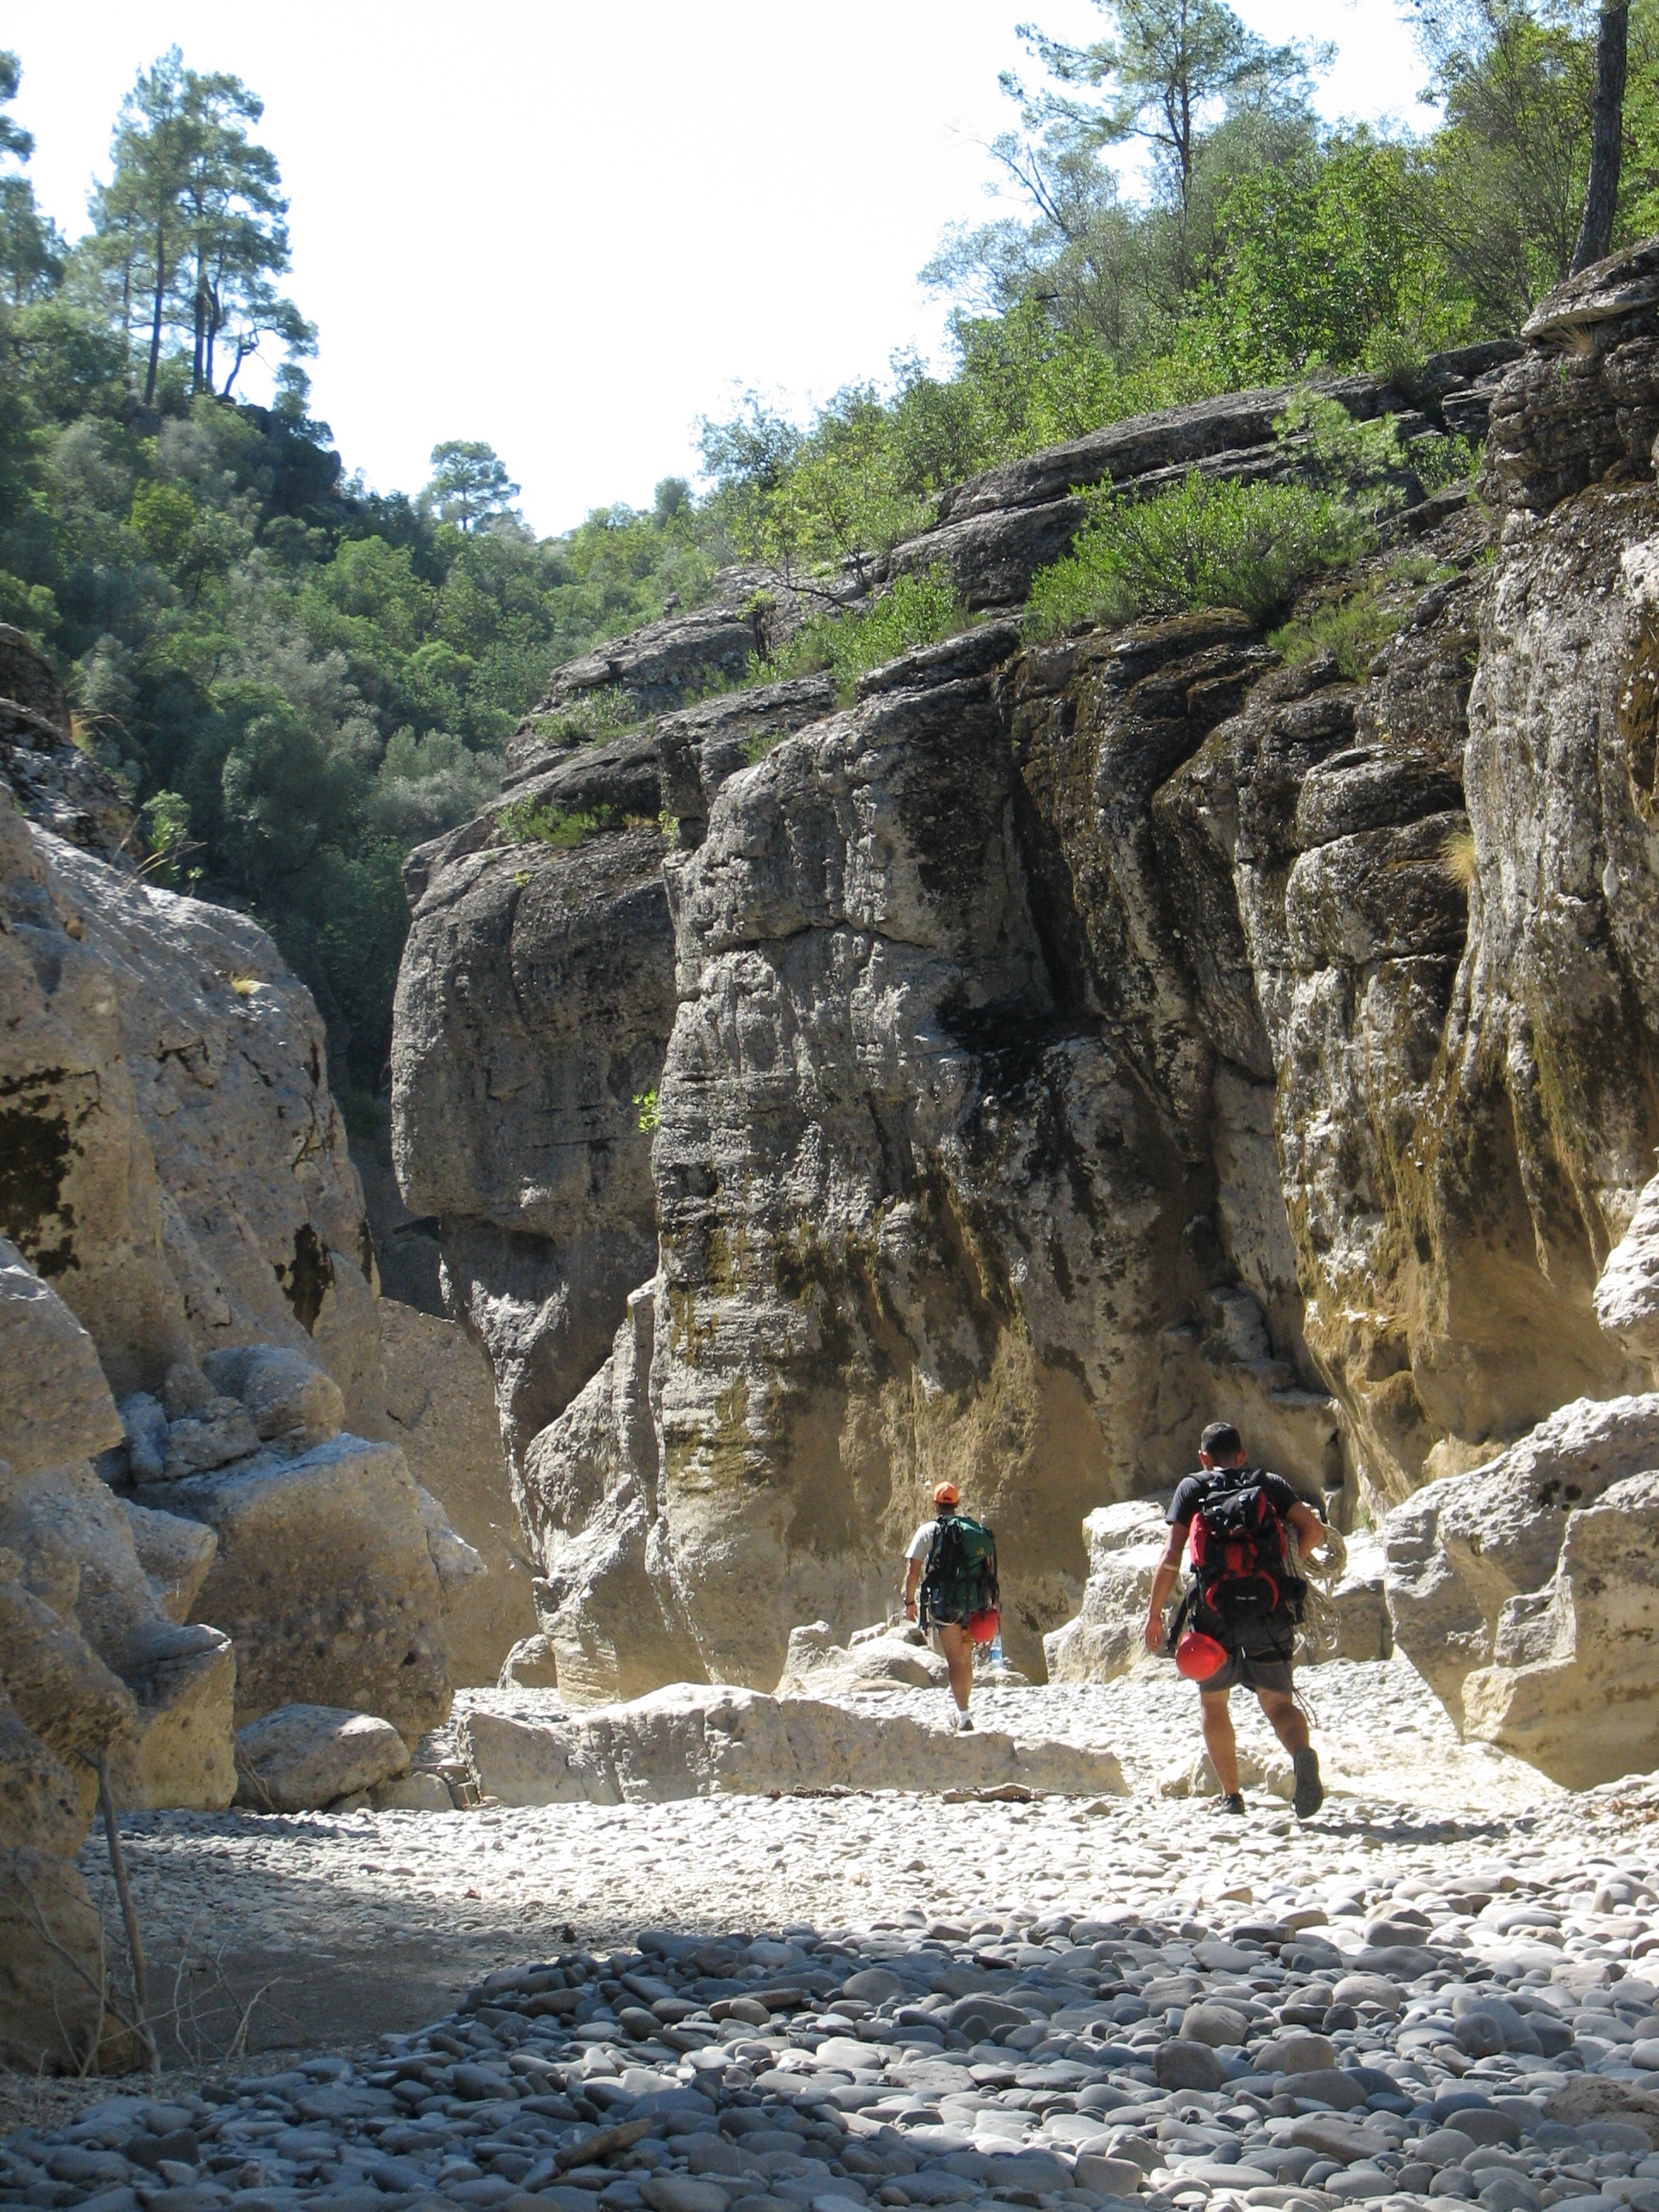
1330 2085
1218 2025
873 1984
1296 2053
846 2051
1188 2066
1367 1989
1214 2174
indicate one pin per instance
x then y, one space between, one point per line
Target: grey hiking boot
1232 1801
1309 1789
964 1725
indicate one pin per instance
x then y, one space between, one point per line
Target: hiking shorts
1265 1670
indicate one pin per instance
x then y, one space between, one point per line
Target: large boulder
301 1758
685 1742
1363 1628
1465 1546
175 1554
80 1557
1627 1289
53 2017
441 1403
1126 1543
1346 1618
55 1404
324 1579
816 1665
75 1611
1573 1685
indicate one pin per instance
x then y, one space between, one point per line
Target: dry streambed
1073 2001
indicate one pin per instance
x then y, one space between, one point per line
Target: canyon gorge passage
466 1580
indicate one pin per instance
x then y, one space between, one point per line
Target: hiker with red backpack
1246 1532
951 1581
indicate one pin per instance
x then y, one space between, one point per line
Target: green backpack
959 1583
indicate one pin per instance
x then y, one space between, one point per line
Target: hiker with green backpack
950 1585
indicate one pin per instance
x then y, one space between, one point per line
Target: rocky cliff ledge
1058 1042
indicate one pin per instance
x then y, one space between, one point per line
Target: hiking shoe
1309 1789
965 1725
1231 1801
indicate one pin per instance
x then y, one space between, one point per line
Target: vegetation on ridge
298 679
1221 542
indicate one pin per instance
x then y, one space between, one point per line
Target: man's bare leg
1291 1727
1285 1716
1219 1740
959 1649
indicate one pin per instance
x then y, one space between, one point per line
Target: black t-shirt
1271 1637
1189 1496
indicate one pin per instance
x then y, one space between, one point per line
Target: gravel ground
353 1930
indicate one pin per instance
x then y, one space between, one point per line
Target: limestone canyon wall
206 1511
1054 1044
1057 1043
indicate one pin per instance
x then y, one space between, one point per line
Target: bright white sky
571 229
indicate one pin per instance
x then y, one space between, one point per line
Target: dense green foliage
297 679
1206 544
1270 248
1352 624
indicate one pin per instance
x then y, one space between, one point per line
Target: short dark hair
1221 1440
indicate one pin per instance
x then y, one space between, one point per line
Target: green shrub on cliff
916 609
528 821
1351 625
1203 544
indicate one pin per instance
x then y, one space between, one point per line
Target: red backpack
1241 1569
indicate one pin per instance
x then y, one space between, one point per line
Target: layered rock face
534 1006
440 1402
1059 1044
1519 1589
190 1533
156 1050
919 1212
93 1668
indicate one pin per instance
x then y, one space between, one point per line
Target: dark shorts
1266 1670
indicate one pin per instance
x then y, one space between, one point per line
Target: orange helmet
1197 1656
946 1493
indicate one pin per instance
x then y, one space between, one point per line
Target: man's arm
1310 1530
912 1576
1165 1575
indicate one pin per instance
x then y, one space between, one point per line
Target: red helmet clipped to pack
1198 1656
984 1627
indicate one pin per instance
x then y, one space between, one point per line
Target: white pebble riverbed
1492 1880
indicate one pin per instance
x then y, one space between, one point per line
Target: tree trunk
156 321
198 362
1606 136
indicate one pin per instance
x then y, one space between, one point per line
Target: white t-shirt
922 1542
